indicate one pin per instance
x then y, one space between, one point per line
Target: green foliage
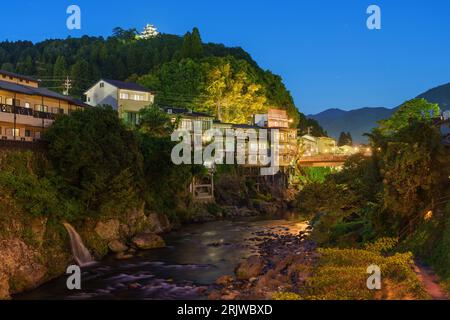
311 126
286 296
27 179
98 160
345 139
192 45
341 274
431 241
314 175
411 169
344 204
416 110
155 122
382 245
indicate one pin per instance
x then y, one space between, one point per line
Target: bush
97 159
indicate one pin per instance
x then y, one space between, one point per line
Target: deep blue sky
322 48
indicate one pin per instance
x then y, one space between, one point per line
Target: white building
125 97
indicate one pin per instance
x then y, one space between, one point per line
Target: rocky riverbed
188 267
282 263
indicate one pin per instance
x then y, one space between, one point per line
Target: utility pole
67 86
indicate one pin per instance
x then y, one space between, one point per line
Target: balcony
26 116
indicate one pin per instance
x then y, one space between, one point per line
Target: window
17 102
27 133
138 97
27 105
186 125
124 96
9 101
89 99
16 132
102 84
132 118
41 108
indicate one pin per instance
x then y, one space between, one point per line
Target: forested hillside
183 71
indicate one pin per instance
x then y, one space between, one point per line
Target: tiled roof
38 91
15 75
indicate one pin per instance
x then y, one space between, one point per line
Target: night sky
322 49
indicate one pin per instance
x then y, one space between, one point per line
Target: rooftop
126 85
185 112
10 86
16 75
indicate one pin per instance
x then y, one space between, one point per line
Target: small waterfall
80 252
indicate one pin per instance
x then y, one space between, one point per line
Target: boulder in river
117 246
224 280
108 230
250 268
146 241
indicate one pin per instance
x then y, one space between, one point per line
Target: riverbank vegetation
402 192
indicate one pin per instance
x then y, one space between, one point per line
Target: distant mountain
360 121
357 122
439 95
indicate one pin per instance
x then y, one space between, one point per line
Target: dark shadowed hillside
439 95
357 122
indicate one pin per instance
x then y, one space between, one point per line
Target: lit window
124 95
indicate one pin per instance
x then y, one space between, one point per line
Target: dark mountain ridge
363 120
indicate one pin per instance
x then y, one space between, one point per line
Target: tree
186 48
80 76
155 122
407 113
196 44
7 66
98 160
125 35
345 139
232 96
60 70
311 126
192 45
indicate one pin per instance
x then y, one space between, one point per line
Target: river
195 256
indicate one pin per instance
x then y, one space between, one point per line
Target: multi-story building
309 145
26 110
125 97
326 145
188 118
274 118
287 137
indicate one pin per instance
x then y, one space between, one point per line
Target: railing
26 112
